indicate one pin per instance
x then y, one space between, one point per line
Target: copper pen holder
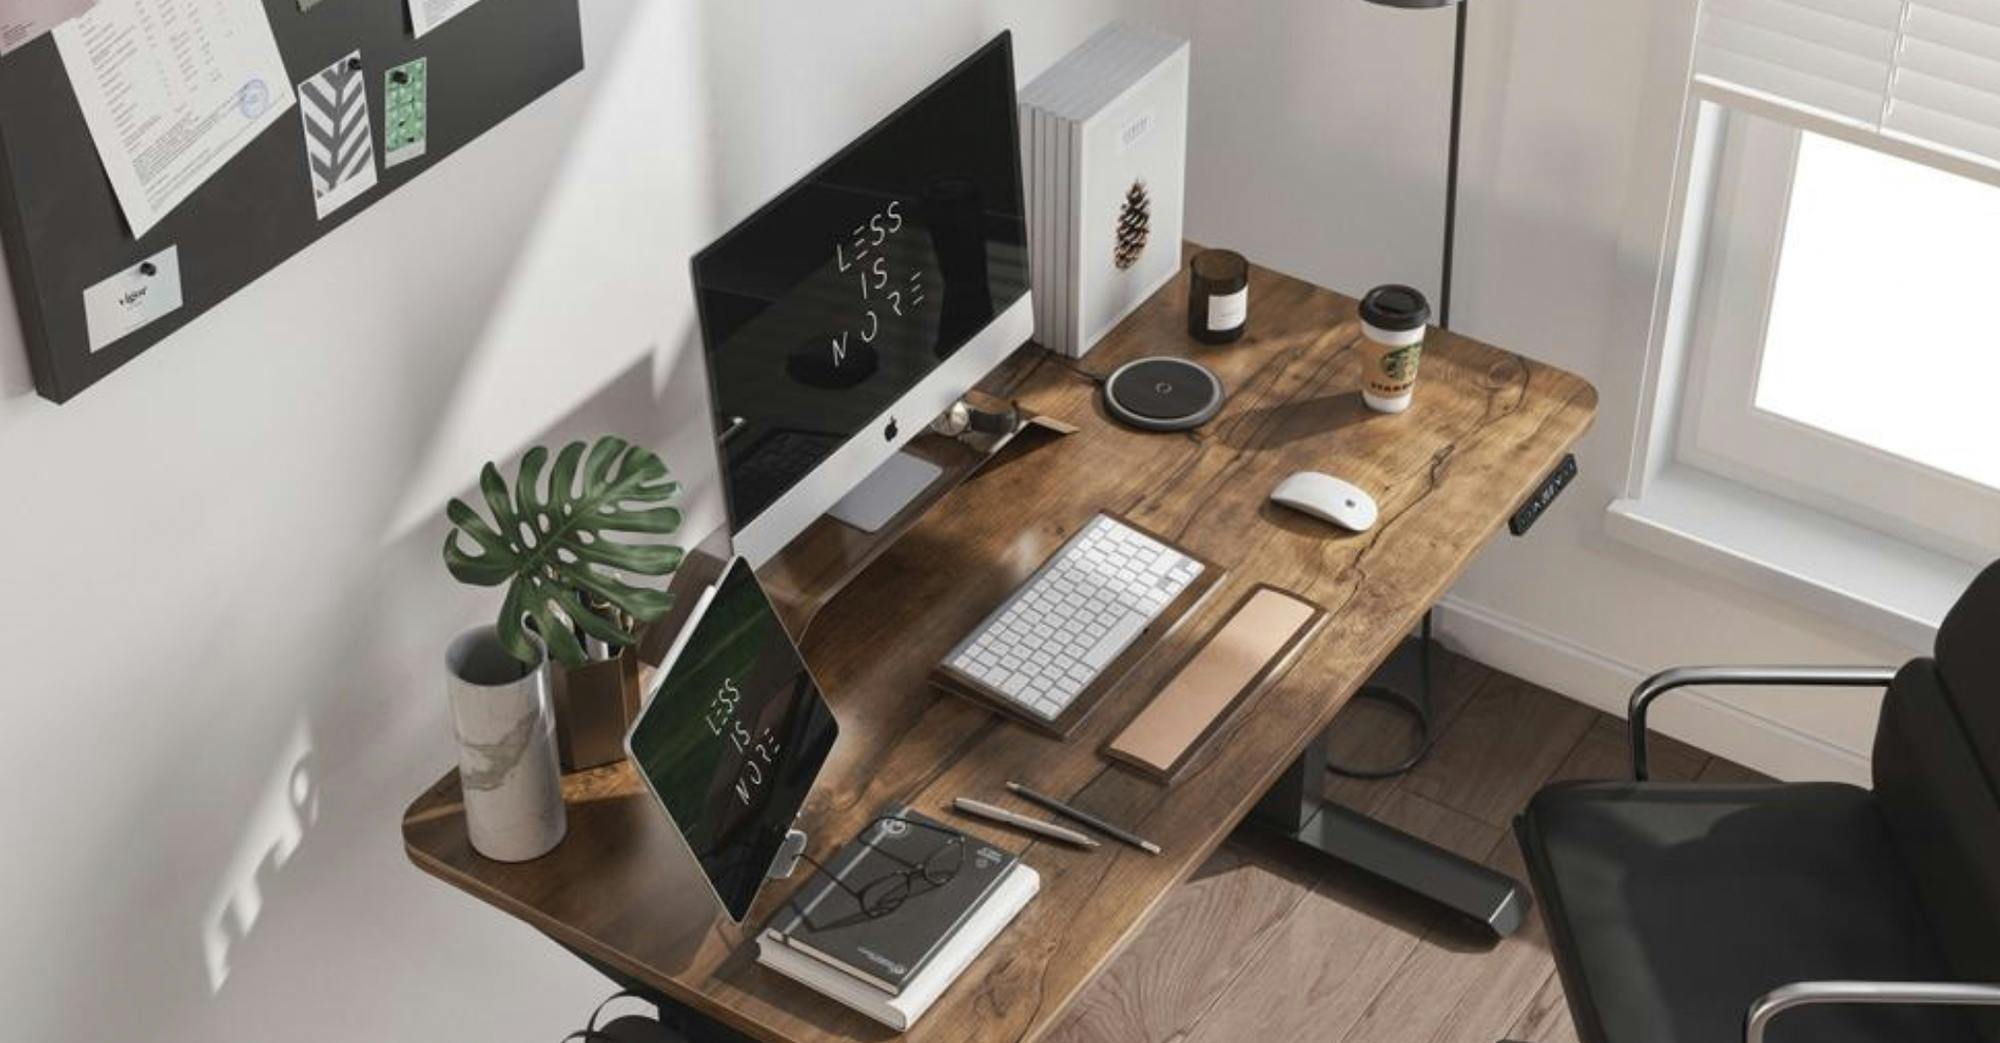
595 705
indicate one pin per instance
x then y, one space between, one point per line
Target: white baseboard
1562 666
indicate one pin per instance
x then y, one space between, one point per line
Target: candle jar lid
1223 270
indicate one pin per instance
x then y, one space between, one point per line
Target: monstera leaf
552 545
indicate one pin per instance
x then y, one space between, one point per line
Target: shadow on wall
255 882
275 828
594 332
602 280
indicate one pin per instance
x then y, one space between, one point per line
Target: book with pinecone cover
889 951
1109 155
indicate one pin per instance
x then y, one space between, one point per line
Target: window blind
1922 73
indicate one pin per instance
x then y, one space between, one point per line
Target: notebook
901 1011
888 950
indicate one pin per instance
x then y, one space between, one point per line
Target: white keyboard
1073 617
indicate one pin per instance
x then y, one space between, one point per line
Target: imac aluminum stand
882 495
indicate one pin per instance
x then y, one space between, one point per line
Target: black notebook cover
888 951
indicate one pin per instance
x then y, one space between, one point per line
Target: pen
1047 829
1084 817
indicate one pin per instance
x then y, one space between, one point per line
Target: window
1820 391
1845 352
1872 334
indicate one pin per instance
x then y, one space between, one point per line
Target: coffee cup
1392 344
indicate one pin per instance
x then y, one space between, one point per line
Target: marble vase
507 767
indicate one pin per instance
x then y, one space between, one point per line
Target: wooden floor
1266 946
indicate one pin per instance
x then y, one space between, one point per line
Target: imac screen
825 307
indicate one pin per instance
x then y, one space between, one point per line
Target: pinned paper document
406 112
132 299
24 21
340 145
426 15
167 111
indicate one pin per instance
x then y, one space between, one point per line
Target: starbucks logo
1400 365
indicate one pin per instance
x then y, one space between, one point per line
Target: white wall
220 566
1319 147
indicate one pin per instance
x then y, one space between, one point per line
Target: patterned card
406 112
340 144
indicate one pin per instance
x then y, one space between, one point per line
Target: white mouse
1327 498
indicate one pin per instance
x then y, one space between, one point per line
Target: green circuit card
406 112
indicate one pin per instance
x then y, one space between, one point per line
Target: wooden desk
1487 426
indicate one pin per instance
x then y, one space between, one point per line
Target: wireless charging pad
1163 394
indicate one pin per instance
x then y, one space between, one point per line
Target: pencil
1084 817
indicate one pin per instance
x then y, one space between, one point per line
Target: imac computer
861 303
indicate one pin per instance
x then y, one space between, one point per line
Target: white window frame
1722 431
1896 589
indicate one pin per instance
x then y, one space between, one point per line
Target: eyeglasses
882 895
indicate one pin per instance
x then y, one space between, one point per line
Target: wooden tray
1162 626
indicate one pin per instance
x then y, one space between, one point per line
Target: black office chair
1690 913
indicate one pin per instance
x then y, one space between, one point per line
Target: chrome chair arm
1682 676
1812 993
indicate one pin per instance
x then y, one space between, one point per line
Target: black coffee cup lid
1395 307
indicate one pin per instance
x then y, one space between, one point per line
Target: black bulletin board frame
65 232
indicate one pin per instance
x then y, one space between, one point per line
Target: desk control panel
1538 504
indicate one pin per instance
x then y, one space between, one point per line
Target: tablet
734 736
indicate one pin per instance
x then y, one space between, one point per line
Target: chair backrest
1937 777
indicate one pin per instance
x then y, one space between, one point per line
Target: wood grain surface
1487 425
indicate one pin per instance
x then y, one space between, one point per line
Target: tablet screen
734 738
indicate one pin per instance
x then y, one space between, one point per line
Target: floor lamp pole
1451 172
1419 705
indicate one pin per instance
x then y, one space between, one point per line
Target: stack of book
1104 151
895 919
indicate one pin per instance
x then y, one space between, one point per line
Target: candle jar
1218 296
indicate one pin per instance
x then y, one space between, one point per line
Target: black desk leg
1296 808
691 1026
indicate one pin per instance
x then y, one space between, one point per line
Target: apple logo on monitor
889 433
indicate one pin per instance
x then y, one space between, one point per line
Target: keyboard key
1114 641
